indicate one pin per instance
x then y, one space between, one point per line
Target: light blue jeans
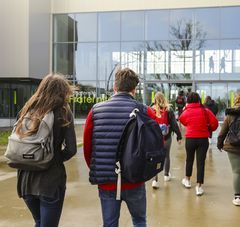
136 202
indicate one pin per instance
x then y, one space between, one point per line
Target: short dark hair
126 80
193 97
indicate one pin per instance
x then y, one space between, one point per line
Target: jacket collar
232 111
193 105
123 94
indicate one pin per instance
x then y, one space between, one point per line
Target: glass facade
13 95
171 50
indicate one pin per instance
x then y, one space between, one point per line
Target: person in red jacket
199 121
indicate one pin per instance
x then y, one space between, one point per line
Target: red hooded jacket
196 119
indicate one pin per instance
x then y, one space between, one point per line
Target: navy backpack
141 153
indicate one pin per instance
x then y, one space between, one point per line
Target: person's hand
179 142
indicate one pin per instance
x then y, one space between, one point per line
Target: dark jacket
173 126
46 183
212 105
222 142
109 119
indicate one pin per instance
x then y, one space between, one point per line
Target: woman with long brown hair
166 119
44 191
233 151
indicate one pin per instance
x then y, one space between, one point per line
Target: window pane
157 60
84 98
181 59
157 25
152 88
63 59
108 60
86 54
86 27
220 95
132 26
63 28
207 26
109 27
230 60
132 56
181 24
207 60
4 101
230 17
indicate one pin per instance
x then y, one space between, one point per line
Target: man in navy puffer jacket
103 129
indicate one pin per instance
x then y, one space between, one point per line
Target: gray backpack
33 152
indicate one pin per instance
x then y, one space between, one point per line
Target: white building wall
71 6
14 38
39 37
25 38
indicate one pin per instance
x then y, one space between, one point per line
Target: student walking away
211 105
43 191
180 102
229 141
198 121
167 121
104 126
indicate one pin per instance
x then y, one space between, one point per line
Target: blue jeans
136 202
46 211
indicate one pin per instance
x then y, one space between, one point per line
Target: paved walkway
170 206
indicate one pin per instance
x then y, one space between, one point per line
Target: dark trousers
46 211
200 147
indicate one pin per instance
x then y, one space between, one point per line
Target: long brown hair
52 93
160 103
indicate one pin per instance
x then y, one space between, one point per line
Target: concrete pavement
170 206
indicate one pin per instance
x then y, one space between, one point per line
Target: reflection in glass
86 62
86 27
220 95
230 59
84 98
204 90
132 56
108 60
157 57
230 17
157 25
63 55
152 88
63 28
208 25
181 23
208 60
181 59
132 26
109 26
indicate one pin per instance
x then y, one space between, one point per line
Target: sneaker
236 201
186 183
199 190
155 184
167 178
